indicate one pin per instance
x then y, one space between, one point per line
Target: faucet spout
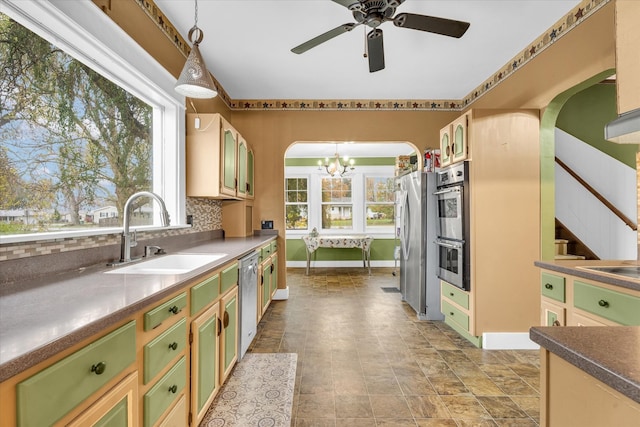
127 242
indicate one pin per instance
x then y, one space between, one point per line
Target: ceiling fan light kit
195 80
374 13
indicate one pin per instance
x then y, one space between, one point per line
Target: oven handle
448 190
448 245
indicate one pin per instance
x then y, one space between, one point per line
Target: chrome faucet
129 239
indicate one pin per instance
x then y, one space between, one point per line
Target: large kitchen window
84 123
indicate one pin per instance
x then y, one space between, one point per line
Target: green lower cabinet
166 347
274 274
166 391
229 333
616 306
204 360
265 287
118 416
50 394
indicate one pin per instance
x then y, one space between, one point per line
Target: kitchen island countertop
42 316
610 354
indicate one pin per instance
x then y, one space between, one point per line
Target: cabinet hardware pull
603 303
173 389
173 345
99 368
451 293
225 319
556 323
451 313
174 309
219 327
271 268
548 286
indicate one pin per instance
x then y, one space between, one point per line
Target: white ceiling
247 47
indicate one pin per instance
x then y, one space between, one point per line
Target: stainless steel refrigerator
419 284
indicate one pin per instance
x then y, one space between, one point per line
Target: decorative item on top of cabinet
218 159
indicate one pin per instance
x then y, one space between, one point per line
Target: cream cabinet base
571 397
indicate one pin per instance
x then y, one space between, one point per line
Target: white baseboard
352 263
508 341
281 294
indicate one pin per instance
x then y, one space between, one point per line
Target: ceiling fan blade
375 50
431 24
323 38
349 4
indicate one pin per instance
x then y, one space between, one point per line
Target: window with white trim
379 201
297 203
337 206
112 125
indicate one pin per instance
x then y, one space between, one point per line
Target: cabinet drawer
229 278
155 317
612 305
265 252
274 247
456 295
48 395
552 286
455 314
164 393
163 349
204 293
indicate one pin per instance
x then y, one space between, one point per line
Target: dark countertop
609 353
576 268
41 317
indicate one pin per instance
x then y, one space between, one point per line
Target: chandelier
337 167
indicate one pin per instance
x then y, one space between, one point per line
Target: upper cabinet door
228 154
250 175
242 167
460 143
445 146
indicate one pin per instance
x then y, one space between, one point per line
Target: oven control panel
453 174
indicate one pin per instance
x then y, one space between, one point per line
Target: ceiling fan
373 13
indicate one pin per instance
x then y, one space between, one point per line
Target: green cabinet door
204 360
265 286
250 179
274 274
242 168
229 173
229 334
118 416
445 149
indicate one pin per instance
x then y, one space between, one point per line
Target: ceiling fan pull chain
366 45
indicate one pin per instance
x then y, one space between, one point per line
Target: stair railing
632 224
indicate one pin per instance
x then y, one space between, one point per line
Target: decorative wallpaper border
571 20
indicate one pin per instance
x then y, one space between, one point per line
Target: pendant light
195 80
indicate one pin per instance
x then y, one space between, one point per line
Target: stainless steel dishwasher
248 292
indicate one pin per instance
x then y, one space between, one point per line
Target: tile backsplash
206 213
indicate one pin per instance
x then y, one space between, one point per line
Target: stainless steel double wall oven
452 192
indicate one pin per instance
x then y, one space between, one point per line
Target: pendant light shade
195 80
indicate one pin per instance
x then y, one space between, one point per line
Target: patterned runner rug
259 392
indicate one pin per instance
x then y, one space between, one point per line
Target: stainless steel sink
168 264
632 271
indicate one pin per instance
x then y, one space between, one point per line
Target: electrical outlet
190 219
196 122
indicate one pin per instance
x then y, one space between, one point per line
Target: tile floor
364 359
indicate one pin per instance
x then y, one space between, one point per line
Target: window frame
307 204
86 33
381 229
357 197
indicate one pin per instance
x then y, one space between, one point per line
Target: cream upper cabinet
627 57
454 145
219 160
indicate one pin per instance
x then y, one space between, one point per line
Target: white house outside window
337 206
